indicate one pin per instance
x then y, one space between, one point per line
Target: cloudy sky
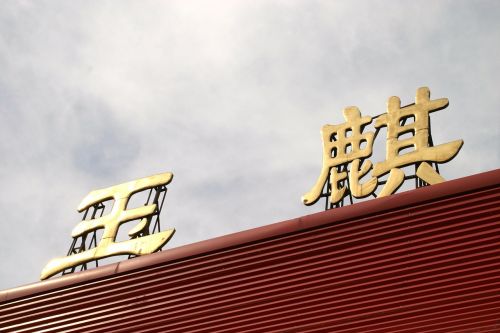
228 95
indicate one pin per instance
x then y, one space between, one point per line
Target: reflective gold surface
110 224
342 145
344 148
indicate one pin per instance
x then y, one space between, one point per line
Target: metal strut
418 182
89 240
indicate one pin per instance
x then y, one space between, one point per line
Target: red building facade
426 260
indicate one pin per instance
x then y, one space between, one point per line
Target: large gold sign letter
110 224
346 150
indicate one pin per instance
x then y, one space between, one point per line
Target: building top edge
366 208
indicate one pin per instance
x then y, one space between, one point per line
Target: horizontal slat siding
433 267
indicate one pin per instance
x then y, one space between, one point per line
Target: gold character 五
110 223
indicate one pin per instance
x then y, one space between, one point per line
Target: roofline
379 205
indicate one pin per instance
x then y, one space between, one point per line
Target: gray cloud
229 96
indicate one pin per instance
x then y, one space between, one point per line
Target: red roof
425 260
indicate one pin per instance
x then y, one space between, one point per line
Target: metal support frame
418 182
88 240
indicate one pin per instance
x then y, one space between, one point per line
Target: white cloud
230 96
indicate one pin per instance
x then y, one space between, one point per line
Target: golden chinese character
110 224
342 144
421 153
407 127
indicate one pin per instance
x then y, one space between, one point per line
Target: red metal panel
427 260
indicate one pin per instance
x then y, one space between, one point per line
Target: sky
229 96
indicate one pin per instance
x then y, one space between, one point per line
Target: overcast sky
228 95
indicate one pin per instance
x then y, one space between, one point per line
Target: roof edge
379 205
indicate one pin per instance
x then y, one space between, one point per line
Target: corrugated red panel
427 260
